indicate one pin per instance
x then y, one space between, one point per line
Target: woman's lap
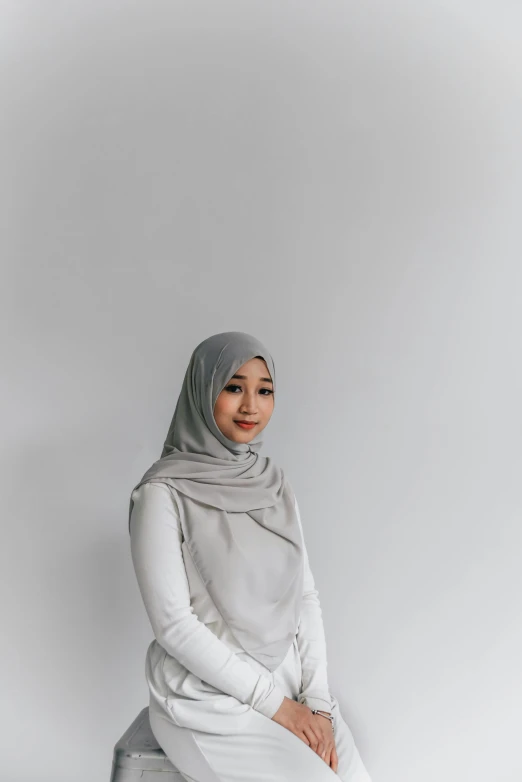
263 751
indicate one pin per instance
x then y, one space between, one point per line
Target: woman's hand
329 754
314 730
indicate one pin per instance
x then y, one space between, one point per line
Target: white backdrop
342 180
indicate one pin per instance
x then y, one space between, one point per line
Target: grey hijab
237 508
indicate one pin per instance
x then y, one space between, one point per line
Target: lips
246 424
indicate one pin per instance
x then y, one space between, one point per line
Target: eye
234 385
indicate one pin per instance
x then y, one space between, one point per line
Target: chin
245 439
237 438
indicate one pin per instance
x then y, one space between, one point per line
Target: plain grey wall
344 181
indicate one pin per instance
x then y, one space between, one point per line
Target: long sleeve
311 643
157 556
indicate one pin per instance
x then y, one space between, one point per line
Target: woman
237 669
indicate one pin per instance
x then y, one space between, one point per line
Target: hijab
237 508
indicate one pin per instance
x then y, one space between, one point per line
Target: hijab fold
237 508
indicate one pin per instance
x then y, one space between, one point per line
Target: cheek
268 405
225 404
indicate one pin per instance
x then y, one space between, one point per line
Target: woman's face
248 396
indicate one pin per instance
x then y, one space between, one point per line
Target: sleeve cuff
271 703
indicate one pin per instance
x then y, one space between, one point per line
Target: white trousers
261 751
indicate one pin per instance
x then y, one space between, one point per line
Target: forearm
201 652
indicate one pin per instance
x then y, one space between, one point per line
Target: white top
195 658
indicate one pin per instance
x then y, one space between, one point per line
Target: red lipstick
246 424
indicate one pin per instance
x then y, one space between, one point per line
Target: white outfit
211 703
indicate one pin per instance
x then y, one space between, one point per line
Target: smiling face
248 396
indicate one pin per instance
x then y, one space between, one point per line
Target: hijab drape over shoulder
237 508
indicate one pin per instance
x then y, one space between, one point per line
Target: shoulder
154 500
149 491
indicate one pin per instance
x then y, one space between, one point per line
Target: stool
138 756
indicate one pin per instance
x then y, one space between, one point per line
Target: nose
248 407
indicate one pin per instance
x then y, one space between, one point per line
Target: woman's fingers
303 738
334 760
314 737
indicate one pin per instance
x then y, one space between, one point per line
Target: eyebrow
262 379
